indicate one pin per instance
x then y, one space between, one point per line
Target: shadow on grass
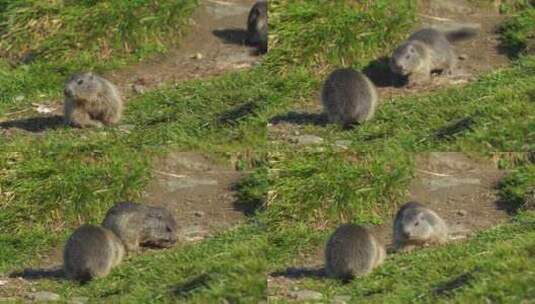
54 272
301 272
380 74
447 288
34 124
301 118
232 36
187 288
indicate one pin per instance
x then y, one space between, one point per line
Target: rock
305 140
463 56
197 56
462 212
199 213
306 295
341 299
44 296
138 88
19 98
344 144
79 300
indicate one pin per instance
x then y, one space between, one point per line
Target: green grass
517 31
51 183
43 42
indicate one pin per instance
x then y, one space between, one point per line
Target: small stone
199 213
463 56
341 299
197 56
462 212
79 300
44 296
344 144
19 98
138 88
306 295
297 133
306 140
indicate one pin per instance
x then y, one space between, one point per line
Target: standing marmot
91 252
91 101
428 50
352 251
140 225
257 26
417 225
348 97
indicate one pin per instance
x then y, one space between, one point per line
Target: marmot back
352 251
91 252
417 225
91 101
349 97
428 50
257 26
140 225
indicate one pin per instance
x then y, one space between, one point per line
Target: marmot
416 225
428 50
348 97
140 225
91 101
91 252
257 26
352 251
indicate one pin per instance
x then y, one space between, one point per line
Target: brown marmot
428 50
352 251
91 101
257 26
417 225
348 97
91 252
141 225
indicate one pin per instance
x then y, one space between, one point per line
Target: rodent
428 50
257 26
352 251
141 225
91 252
417 225
349 97
91 101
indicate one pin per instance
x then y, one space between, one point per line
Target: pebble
44 296
306 295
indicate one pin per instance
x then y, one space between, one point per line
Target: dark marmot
91 101
428 50
257 26
91 252
140 225
352 251
417 225
348 97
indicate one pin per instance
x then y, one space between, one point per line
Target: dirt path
215 44
462 190
199 190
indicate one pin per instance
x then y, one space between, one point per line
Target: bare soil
215 44
200 191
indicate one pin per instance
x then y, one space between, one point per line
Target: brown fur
91 101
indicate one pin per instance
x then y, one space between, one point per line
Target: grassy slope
39 175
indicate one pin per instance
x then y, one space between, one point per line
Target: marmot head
159 228
82 87
405 59
415 226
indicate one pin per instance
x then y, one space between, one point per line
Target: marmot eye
80 81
